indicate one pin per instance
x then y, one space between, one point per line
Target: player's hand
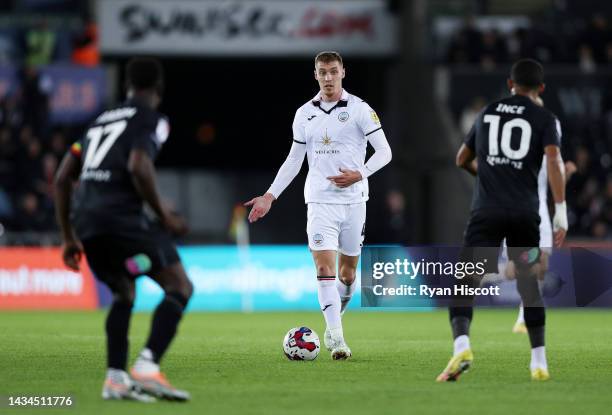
261 206
346 179
560 224
570 169
72 252
174 223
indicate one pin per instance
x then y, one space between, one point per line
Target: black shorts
111 256
487 228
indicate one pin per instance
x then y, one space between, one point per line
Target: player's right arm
466 159
290 168
66 175
466 156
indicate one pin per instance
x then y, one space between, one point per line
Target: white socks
144 363
345 291
538 358
521 317
329 300
461 344
117 376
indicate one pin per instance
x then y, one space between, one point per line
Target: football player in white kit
333 130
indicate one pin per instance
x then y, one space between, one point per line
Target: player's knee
123 294
182 286
347 274
529 291
534 316
178 297
325 270
188 289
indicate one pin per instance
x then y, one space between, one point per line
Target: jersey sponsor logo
343 116
374 117
326 146
116 114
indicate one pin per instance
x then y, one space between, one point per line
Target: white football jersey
335 138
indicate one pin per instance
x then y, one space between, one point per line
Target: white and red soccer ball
301 343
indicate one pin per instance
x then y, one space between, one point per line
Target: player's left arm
373 132
466 156
66 175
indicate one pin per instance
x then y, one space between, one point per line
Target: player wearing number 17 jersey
504 150
113 165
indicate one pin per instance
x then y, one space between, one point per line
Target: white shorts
336 227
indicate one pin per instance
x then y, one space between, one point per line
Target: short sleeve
299 133
152 136
552 133
368 120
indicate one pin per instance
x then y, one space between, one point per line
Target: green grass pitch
233 363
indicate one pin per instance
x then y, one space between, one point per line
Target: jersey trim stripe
340 104
373 131
299 142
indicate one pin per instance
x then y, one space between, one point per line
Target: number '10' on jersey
508 138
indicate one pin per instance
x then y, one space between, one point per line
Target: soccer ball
301 343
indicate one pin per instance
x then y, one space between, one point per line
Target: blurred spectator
494 49
466 45
49 166
30 217
40 45
10 112
596 38
58 144
30 169
85 50
585 59
7 48
36 90
397 225
469 115
600 230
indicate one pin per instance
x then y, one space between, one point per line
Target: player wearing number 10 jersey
113 164
504 150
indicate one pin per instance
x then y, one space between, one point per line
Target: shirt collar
317 98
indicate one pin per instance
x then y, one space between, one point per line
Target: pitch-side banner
246 28
36 278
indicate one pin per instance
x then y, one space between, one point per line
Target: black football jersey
508 138
106 201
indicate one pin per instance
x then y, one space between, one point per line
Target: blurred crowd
30 147
588 45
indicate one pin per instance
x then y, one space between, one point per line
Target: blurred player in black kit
504 150
113 164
